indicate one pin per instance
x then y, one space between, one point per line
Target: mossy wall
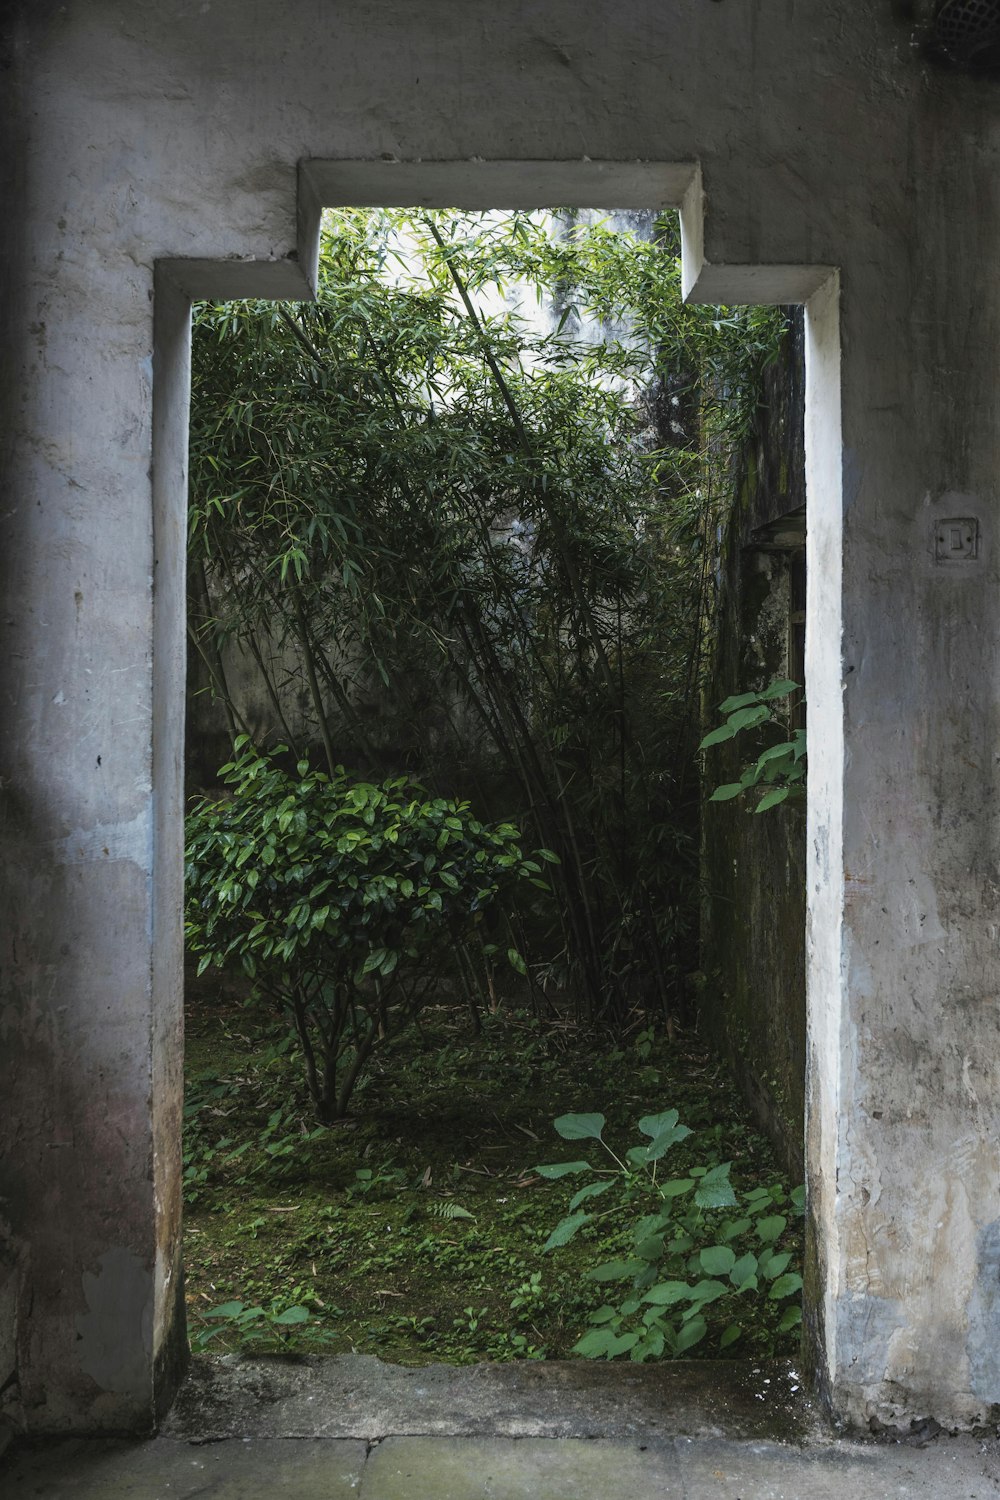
752 990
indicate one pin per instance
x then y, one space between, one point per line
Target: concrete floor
329 1429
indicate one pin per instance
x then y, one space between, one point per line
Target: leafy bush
693 1244
780 770
338 897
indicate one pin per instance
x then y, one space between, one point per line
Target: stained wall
153 154
751 987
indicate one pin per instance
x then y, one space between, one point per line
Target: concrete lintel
222 280
776 286
737 284
478 183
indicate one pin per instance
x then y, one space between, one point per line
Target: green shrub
338 898
697 1256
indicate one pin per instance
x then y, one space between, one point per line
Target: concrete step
449 1468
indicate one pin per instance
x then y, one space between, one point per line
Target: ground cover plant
417 1230
696 1250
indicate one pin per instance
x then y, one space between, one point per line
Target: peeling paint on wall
116 1333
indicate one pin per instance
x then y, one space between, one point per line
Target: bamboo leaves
445 535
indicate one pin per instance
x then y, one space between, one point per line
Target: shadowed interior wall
752 984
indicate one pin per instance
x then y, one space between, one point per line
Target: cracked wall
170 136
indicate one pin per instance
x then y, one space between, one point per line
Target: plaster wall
152 155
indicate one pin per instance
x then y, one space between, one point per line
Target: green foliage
442 1117
376 1182
261 1326
334 896
698 1257
779 772
449 1211
405 495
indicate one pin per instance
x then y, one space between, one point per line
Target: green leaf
727 792
654 1125
717 1260
666 1293
592 1190
730 1335
292 1315
717 736
692 1333
715 1190
651 1347
771 799
580 1127
707 1291
785 1286
615 1270
748 718
516 961
374 961
743 1269
557 1169
776 752
659 1146
714 1194
676 1187
790 1318
565 1230
602 1343
451 1211
780 689
740 700
771 1228
650 1224
225 1310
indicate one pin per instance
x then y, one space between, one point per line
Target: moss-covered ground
414 1231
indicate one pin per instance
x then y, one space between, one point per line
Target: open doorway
461 539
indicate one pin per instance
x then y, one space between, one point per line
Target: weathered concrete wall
141 134
753 930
